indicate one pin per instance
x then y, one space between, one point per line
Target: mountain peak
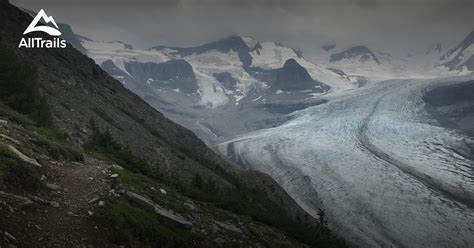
470 37
461 55
291 63
363 54
293 72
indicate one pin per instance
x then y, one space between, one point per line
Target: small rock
53 186
101 203
72 214
163 191
91 178
90 213
152 206
153 188
93 200
228 227
20 200
54 204
190 206
114 176
218 240
117 167
3 122
10 237
5 137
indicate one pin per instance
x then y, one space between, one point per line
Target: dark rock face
174 74
456 62
226 79
291 77
70 37
235 43
353 52
451 95
339 72
453 105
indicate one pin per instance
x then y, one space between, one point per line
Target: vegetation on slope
23 103
19 88
242 199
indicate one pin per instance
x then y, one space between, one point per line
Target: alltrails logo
39 42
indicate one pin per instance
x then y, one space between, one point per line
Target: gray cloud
381 24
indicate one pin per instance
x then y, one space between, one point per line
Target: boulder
228 227
22 156
149 205
9 237
22 201
53 186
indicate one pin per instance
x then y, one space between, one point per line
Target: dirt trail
61 217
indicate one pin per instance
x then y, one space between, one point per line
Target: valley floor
384 170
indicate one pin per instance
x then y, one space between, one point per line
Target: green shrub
59 150
14 172
103 142
135 227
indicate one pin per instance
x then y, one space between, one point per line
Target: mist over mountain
307 25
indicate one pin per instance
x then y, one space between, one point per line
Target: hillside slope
101 118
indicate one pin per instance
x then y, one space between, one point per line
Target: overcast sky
388 25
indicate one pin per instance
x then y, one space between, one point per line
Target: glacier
386 173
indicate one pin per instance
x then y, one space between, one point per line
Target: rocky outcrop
22 156
151 206
174 74
362 53
226 79
290 78
461 55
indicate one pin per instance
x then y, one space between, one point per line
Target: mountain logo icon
43 28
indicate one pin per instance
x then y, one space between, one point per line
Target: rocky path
62 217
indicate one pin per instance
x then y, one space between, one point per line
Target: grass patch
16 173
103 142
59 150
135 227
10 114
49 138
143 185
242 199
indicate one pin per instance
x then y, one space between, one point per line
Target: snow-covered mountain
207 87
216 73
372 65
460 57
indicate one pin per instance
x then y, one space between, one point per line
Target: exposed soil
58 218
